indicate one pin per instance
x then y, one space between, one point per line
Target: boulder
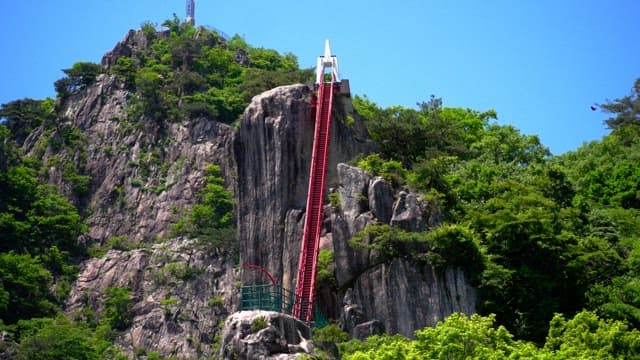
264 335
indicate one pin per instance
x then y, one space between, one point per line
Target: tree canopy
557 233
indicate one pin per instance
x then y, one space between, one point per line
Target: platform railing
274 298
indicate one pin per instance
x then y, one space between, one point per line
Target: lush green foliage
193 72
447 245
211 219
39 227
34 216
79 76
625 121
24 290
329 334
117 307
556 234
22 116
325 275
391 170
59 339
477 337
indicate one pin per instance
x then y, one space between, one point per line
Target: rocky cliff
142 176
402 294
181 294
273 153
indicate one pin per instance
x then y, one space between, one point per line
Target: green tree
625 111
462 337
22 116
391 170
211 219
34 216
8 152
125 69
605 173
529 279
586 336
58 340
24 288
79 76
117 308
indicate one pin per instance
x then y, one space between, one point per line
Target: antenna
191 12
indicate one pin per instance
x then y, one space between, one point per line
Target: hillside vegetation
557 234
540 235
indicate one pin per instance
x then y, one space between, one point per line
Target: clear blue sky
540 64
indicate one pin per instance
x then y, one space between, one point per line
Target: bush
79 76
392 171
116 308
335 200
258 324
216 301
211 220
329 334
325 273
24 289
58 340
447 245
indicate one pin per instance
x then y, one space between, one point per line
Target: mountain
138 163
139 203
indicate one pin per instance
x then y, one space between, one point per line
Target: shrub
117 307
325 261
216 301
259 323
335 200
447 245
392 171
329 334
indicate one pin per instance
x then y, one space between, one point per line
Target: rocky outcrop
273 150
264 335
132 43
143 175
180 294
402 294
405 296
273 155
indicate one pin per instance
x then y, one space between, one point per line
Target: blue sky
540 64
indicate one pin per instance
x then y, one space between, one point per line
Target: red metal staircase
305 286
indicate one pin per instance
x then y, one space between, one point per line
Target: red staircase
305 286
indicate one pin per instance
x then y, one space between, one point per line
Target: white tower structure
327 61
191 12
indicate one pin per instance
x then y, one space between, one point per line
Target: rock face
405 296
134 41
273 150
264 335
180 293
273 155
401 294
143 174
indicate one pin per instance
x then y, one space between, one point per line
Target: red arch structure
261 269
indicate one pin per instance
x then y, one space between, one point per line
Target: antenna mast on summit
191 12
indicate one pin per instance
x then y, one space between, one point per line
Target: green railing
274 298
